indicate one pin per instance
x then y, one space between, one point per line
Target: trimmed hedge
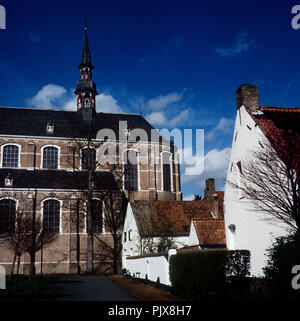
202 274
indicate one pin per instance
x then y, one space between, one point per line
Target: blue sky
182 60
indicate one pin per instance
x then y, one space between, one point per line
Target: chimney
212 197
247 95
210 189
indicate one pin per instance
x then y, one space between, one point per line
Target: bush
282 256
202 274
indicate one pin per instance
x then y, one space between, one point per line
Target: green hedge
202 274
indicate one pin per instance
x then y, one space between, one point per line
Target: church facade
44 161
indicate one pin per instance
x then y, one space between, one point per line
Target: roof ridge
280 108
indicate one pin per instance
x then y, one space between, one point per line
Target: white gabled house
245 228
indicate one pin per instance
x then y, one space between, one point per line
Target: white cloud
104 103
180 117
215 165
107 104
157 118
224 125
189 197
162 102
241 44
47 97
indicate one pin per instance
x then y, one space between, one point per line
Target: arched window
166 167
88 158
7 215
131 170
51 215
97 216
50 157
10 156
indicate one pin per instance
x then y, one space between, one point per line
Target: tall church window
88 158
50 157
10 156
97 216
7 215
166 167
131 170
51 215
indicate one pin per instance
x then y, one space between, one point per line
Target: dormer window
8 181
50 128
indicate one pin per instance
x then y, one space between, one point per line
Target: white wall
252 231
132 247
152 266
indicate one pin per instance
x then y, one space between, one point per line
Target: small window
50 158
129 235
239 165
10 156
131 170
125 237
51 215
97 216
166 172
50 128
88 159
7 215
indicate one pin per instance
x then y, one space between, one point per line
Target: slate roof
210 232
168 218
55 179
69 124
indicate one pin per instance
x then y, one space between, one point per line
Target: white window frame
60 211
19 154
162 170
138 168
58 157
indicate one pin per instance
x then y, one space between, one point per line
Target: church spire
86 55
86 88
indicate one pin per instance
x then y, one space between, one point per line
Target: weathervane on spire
85 23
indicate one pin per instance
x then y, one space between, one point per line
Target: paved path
84 288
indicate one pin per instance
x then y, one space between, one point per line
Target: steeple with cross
86 88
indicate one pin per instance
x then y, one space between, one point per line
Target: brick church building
44 161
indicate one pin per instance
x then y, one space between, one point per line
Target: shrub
238 263
282 256
202 274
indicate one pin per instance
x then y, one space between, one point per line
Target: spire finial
85 23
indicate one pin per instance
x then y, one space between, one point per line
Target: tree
20 239
84 158
269 179
114 211
197 197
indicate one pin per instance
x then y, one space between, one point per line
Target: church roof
168 218
17 121
55 179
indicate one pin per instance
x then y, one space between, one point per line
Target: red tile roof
210 232
281 126
171 218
